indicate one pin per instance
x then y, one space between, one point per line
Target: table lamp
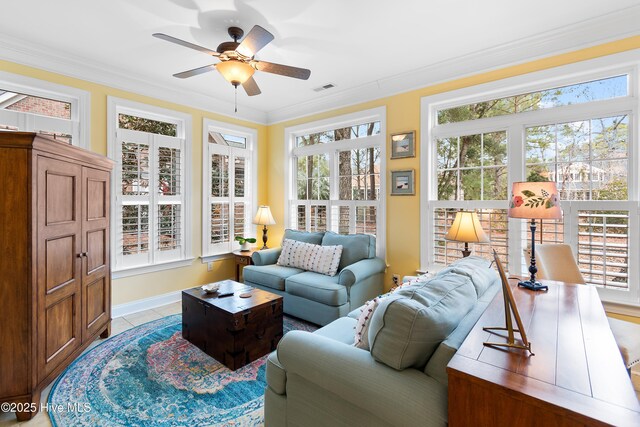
264 217
466 228
534 200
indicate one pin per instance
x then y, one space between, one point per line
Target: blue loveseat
316 297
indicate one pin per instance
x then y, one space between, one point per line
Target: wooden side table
242 259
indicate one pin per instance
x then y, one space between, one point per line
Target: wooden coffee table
233 330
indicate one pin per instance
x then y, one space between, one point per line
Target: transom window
51 110
229 186
577 135
335 178
151 213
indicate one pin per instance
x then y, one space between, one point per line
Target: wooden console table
576 377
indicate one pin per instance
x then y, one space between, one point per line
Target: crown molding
14 50
606 28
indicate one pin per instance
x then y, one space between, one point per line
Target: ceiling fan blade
283 70
257 38
195 71
251 87
186 44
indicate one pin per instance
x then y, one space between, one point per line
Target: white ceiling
367 48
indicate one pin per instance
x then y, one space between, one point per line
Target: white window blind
229 187
151 199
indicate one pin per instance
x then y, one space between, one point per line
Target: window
335 175
151 213
577 134
229 186
56 111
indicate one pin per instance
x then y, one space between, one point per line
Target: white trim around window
179 203
78 126
247 196
515 125
332 149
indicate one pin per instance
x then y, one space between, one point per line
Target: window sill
217 257
626 309
134 271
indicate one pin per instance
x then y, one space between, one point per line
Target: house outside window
55 111
335 175
151 214
575 130
229 186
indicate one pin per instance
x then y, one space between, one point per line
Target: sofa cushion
310 257
304 236
272 276
317 287
478 269
408 325
355 247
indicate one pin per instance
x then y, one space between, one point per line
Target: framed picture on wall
402 183
403 145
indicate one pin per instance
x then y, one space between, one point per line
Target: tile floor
121 324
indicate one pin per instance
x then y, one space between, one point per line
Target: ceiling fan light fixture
235 72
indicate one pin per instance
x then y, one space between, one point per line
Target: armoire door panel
60 198
61 260
96 300
96 244
97 198
61 332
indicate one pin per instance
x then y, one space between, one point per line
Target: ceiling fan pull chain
236 98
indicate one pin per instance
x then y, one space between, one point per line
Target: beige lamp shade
235 72
535 200
466 228
263 216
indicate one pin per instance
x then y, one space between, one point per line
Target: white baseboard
145 304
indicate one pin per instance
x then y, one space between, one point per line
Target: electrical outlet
209 266
396 279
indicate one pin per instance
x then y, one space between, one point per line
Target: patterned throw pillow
362 327
310 257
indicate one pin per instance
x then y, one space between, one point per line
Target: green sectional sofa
321 378
316 297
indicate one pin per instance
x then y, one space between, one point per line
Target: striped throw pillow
310 257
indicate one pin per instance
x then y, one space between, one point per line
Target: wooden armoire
55 279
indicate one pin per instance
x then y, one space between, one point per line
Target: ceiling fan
237 63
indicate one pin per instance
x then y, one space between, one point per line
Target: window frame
78 126
332 148
515 125
209 251
158 260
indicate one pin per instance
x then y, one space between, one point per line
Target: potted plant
245 243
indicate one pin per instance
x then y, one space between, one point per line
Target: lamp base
534 286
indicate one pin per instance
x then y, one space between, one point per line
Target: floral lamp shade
534 200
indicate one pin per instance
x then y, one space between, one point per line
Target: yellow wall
403 113
152 284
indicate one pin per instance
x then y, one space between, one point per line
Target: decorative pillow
362 327
310 257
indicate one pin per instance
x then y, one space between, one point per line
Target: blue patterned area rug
149 375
